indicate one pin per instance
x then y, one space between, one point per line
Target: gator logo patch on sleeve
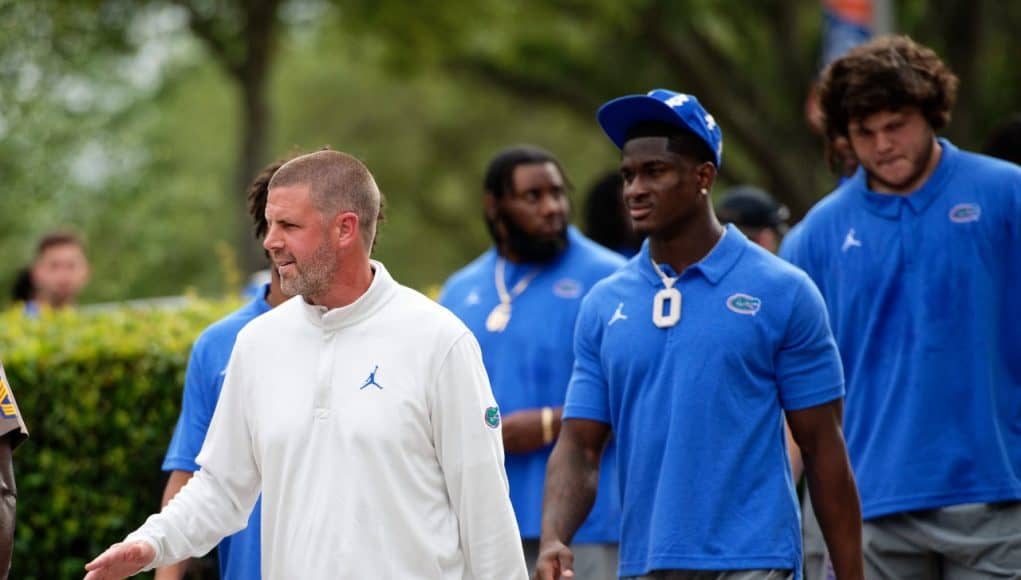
493 417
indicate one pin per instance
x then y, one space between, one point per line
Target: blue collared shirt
697 408
920 289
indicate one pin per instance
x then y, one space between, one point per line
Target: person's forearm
200 515
530 429
172 572
175 482
837 507
794 452
572 478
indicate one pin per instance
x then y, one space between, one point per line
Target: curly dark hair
499 178
885 74
258 191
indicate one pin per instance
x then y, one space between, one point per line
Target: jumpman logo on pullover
372 380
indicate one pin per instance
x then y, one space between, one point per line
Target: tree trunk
246 54
252 73
252 154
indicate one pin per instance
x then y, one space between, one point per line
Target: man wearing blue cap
692 354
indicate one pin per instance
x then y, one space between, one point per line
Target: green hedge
100 393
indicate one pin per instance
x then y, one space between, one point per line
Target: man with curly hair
917 256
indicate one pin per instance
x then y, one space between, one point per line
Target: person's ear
705 174
345 226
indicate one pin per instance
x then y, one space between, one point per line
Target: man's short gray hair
337 182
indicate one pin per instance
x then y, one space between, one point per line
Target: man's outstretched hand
120 561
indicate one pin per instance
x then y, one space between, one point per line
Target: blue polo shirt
697 408
921 290
529 364
239 555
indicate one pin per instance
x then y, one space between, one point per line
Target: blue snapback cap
618 116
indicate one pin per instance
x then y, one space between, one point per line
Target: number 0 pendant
670 300
498 318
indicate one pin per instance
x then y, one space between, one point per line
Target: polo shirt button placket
906 222
323 378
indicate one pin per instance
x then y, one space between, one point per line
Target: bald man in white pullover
360 409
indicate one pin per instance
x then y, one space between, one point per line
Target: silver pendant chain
666 304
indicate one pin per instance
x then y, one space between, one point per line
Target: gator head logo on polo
744 304
493 417
567 288
965 212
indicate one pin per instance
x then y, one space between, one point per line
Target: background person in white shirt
360 409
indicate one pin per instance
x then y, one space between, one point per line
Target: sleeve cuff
813 399
179 464
139 536
584 412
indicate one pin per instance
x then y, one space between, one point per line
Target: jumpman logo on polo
850 241
617 315
372 380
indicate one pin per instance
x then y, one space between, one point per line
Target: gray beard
312 279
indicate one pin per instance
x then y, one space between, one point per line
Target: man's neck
274 294
53 304
349 284
504 251
692 243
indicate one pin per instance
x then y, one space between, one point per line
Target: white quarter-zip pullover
373 435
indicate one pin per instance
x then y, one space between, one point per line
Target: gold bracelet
547 425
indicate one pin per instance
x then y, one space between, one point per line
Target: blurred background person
58 272
606 218
22 291
759 217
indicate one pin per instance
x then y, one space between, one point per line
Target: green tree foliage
751 63
84 143
425 92
427 137
164 202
